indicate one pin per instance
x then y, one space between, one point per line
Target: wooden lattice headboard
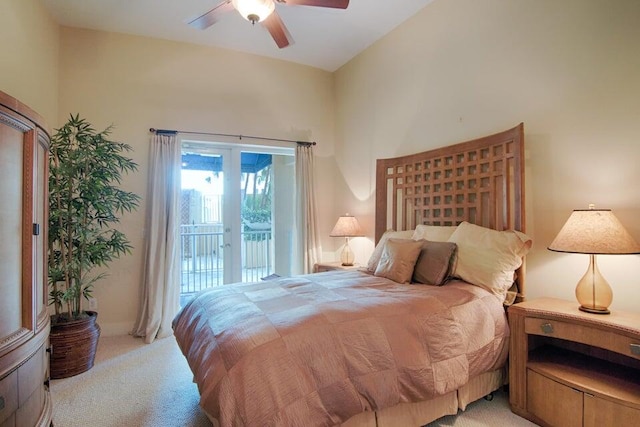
479 181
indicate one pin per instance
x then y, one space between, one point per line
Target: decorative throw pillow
372 264
489 258
434 263
398 259
433 233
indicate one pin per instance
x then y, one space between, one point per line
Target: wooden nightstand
329 266
571 368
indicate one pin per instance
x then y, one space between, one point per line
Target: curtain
160 295
308 239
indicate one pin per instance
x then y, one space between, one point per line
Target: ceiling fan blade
277 29
336 4
211 17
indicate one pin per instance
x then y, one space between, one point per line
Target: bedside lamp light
346 226
594 232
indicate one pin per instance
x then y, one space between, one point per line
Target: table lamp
594 232
346 226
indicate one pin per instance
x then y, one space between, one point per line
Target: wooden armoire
24 319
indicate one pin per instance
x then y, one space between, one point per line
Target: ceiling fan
262 11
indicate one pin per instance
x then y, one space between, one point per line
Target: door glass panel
11 182
201 222
256 216
267 188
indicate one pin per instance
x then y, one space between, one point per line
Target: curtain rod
174 132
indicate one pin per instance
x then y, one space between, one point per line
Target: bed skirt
421 413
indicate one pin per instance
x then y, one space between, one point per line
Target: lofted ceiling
324 38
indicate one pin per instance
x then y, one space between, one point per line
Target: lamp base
346 257
593 292
595 310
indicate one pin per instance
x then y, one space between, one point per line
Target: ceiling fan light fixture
254 10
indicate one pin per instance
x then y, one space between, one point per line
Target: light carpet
136 384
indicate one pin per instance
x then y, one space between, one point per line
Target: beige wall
459 69
29 56
136 83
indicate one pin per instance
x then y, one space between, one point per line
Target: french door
236 213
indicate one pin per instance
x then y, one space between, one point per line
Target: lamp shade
346 226
594 231
254 10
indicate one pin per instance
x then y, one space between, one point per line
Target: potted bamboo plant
85 204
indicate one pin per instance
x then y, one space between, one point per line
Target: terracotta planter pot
74 346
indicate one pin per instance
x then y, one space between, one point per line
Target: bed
367 348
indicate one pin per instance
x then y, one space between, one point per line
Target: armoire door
24 321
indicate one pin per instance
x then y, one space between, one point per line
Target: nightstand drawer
583 334
333 266
321 268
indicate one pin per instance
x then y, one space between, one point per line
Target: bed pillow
489 258
398 258
372 264
434 263
433 233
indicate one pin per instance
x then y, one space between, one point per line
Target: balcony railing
202 261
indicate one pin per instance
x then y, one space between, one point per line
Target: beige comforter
318 349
